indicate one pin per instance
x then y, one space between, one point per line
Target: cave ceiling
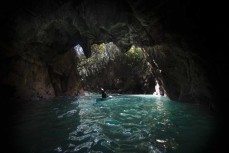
49 28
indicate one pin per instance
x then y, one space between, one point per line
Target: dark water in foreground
125 123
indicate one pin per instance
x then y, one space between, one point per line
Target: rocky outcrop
40 36
178 74
64 75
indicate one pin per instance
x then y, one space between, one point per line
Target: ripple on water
112 122
123 124
83 147
79 138
68 114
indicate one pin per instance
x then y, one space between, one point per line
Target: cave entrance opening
79 50
117 72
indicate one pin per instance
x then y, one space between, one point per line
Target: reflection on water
125 123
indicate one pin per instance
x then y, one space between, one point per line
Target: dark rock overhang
47 29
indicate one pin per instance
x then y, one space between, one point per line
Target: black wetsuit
104 95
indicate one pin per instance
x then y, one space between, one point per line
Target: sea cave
163 64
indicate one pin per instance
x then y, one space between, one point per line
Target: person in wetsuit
104 94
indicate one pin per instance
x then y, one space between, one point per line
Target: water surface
125 123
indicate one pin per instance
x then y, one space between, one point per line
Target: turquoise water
125 123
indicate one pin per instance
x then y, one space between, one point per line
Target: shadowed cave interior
66 48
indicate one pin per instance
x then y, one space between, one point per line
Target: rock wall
28 79
45 31
180 73
64 75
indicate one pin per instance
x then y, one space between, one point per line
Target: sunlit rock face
40 37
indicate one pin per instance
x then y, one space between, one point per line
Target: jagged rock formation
39 37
